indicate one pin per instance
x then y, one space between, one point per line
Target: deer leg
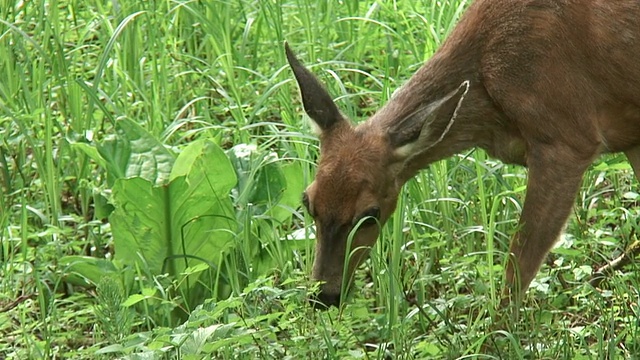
633 155
555 175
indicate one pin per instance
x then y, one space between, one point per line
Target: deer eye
370 217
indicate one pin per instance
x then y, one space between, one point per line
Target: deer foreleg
555 174
633 155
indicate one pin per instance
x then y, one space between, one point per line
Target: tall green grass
187 70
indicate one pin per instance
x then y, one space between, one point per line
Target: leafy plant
202 208
115 320
99 93
265 198
170 213
187 221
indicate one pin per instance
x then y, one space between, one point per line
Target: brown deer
547 84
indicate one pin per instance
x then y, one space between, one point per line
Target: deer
546 84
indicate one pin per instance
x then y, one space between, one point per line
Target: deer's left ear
317 102
426 126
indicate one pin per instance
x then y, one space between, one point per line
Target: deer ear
316 100
426 126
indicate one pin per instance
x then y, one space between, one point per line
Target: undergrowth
152 156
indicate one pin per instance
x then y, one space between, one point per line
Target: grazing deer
547 84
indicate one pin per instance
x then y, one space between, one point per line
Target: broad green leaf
133 299
206 168
181 224
115 348
195 269
268 190
102 207
133 152
86 270
292 194
90 151
149 292
198 339
261 182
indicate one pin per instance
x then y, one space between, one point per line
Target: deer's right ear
317 102
427 126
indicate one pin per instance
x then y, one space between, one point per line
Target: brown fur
553 84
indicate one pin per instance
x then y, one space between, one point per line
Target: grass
186 70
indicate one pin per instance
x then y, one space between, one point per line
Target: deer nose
325 300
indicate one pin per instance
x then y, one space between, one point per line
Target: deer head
361 171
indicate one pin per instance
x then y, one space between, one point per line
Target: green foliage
167 219
189 216
152 158
135 153
114 318
173 214
267 193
